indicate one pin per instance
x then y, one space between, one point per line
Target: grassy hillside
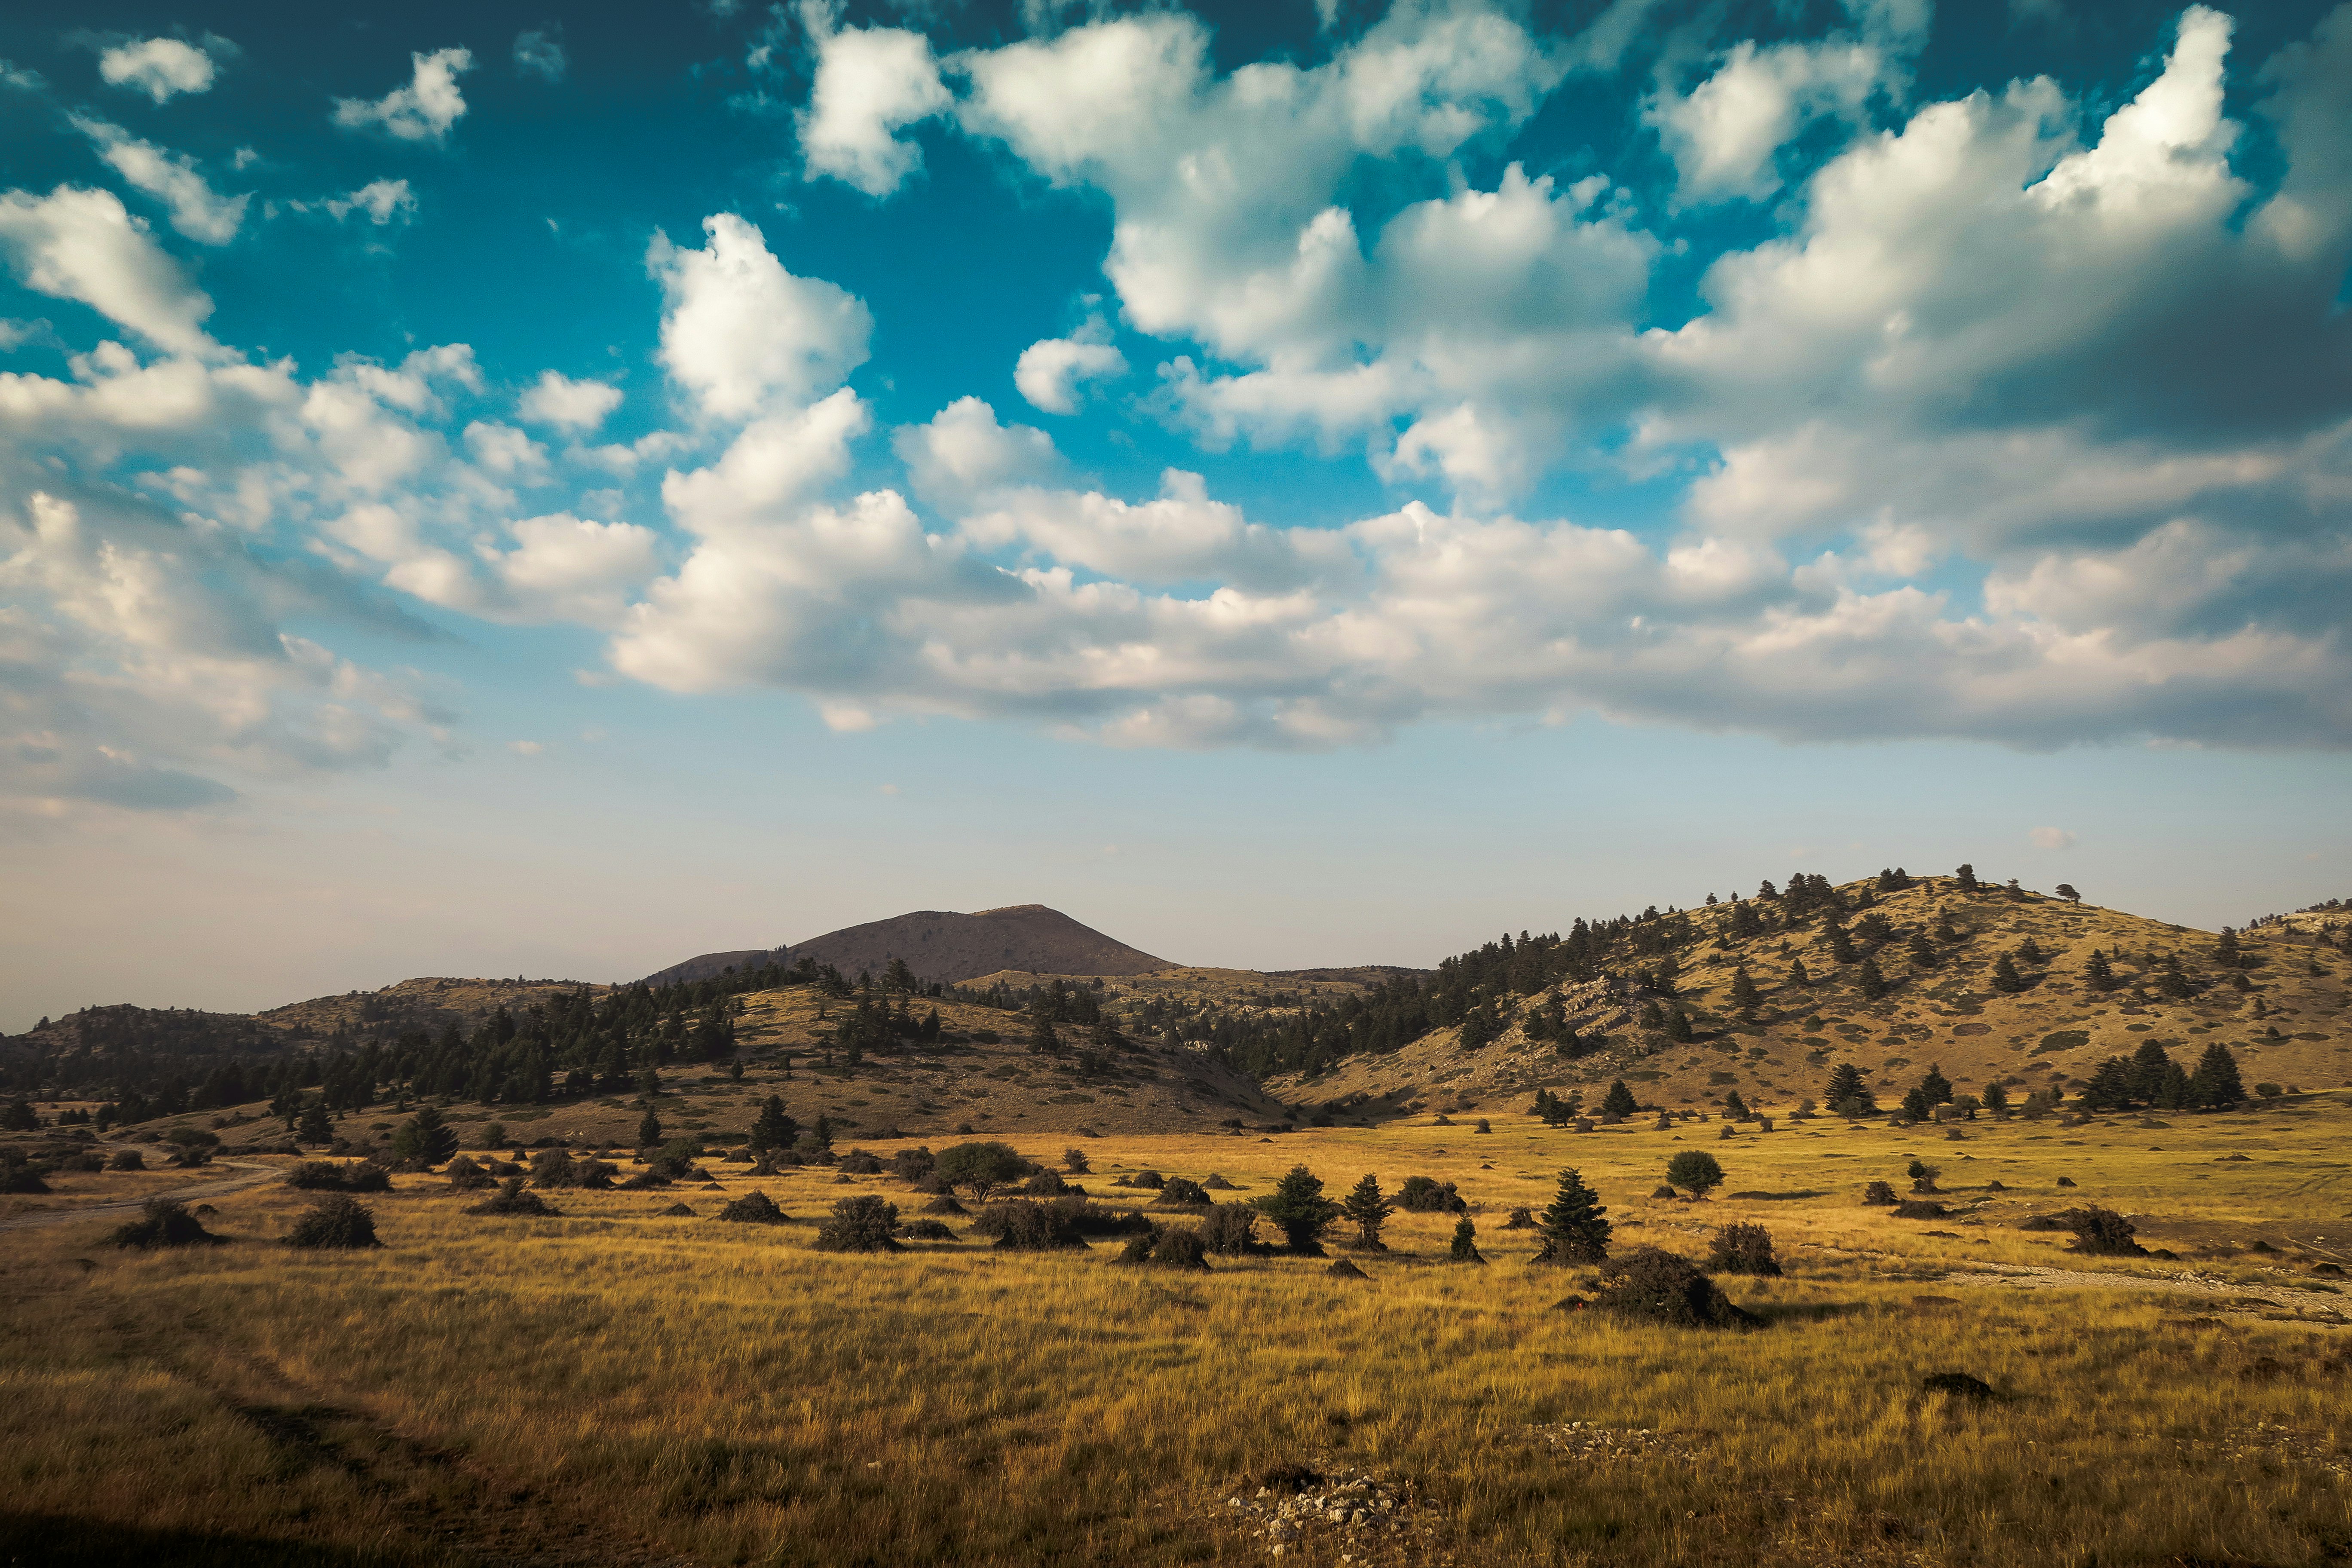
2289 1027
620 1385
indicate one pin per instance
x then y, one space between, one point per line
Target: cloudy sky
540 490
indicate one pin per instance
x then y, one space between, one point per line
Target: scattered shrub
1653 1285
1182 1246
1959 1385
1661 1191
1426 1194
1181 1191
1021 1226
337 1220
1231 1230
752 1208
556 1169
926 1230
513 1199
1075 1162
1343 1269
1879 1195
944 1203
685 1211
1521 1219
1217 1183
1466 1242
913 1164
859 1162
163 1222
1742 1250
367 1176
326 1176
862 1224
1151 1179
17 1179
645 1181
1046 1184
127 1160
1921 1208
466 1175
2102 1233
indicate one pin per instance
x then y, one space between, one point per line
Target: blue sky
494 489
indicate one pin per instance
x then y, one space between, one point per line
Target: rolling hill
941 946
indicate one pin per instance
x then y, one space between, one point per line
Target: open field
616 1386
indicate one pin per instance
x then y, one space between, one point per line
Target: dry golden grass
613 1387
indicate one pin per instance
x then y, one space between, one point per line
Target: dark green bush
752 1208
1426 1194
163 1222
1651 1285
513 1199
1742 1250
862 1224
336 1220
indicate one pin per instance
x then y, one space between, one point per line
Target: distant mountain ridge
942 945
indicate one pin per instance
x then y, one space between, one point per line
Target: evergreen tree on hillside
2111 1087
1967 876
1620 1100
1744 993
312 1126
1848 1094
1573 1226
773 1129
2097 973
1916 1107
2005 976
2225 950
1733 1108
426 1138
2066 891
1841 942
1936 1086
649 1130
1870 982
899 979
2215 1082
1798 975
2148 1075
1365 1209
1996 1100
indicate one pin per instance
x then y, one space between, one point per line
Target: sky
542 489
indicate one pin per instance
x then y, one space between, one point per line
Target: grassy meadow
617 1386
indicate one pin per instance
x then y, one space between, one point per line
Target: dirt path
261 1176
2218 1292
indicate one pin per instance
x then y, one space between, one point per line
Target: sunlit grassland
728 1394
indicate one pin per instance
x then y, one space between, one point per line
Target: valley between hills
766 1261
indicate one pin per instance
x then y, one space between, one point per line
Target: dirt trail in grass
261 1174
2031 1277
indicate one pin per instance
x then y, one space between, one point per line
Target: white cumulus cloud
574 406
197 210
739 330
157 67
871 84
425 109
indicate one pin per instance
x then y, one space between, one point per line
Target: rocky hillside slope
939 945
2290 1026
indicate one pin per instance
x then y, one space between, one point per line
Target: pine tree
1574 1227
1620 1100
1799 974
1367 1210
1870 982
1996 1100
1847 1094
2215 1082
1966 875
2147 1065
1744 993
2225 950
426 1138
1936 1087
2097 973
1734 1107
2111 1087
2005 976
1915 1104
774 1129
649 1130
312 1126
1042 1038
1841 943
1465 1241
1299 1210
2172 1093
